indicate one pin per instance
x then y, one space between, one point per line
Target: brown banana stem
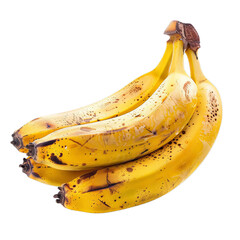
188 34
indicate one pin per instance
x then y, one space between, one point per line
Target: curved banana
121 102
127 137
140 181
46 174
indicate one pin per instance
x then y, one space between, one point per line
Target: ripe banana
121 102
127 137
46 174
140 181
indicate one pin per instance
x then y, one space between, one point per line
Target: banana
127 137
46 174
121 102
140 181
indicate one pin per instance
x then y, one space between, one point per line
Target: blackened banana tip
26 166
60 196
31 150
17 141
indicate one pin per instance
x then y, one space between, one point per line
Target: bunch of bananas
133 146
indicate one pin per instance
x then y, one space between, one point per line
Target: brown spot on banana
67 186
186 90
36 175
181 115
91 149
114 130
129 169
48 125
47 143
56 160
75 142
146 136
144 151
116 100
87 129
104 203
105 186
148 130
213 99
88 175
163 100
135 89
83 143
87 120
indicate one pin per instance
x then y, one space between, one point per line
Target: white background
60 55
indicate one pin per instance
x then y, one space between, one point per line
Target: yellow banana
46 174
127 137
140 181
121 102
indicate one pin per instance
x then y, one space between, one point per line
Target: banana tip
60 197
17 141
26 166
31 150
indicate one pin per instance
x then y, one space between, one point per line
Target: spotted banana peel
127 137
125 100
140 181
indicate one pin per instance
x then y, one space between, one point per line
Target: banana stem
195 68
166 59
177 59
